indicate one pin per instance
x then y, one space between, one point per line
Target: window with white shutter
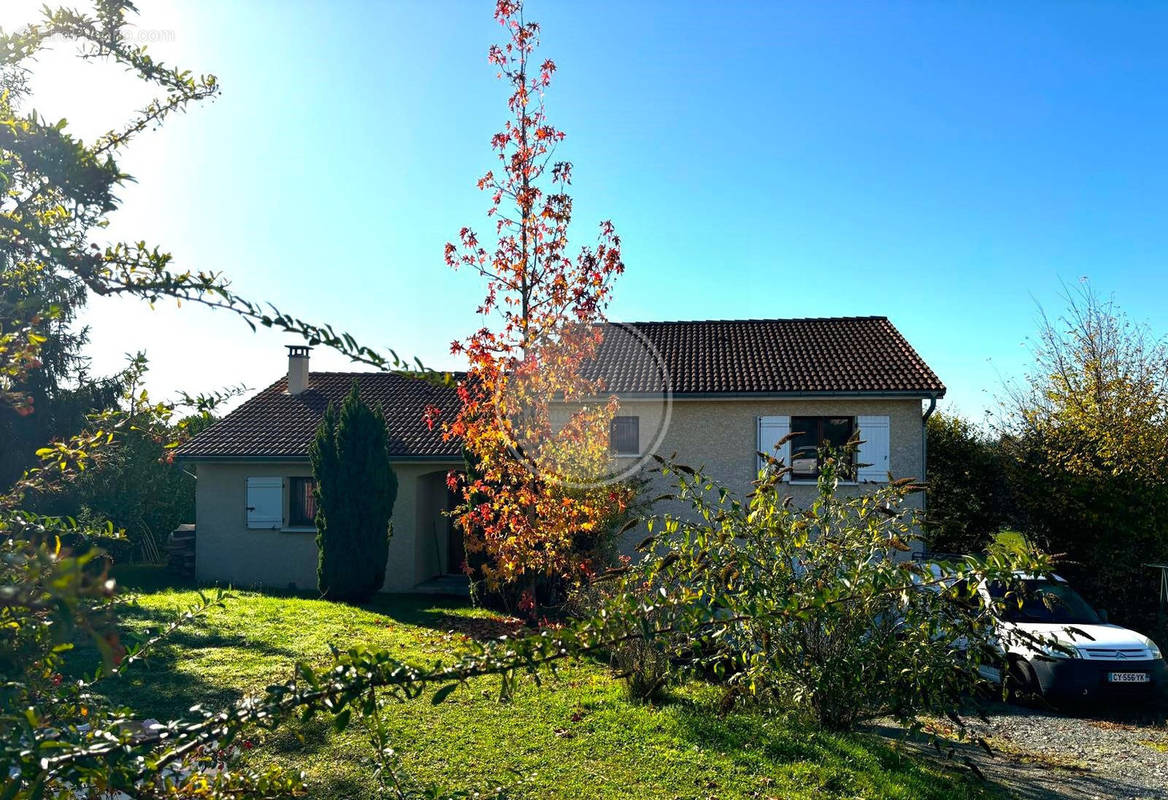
265 503
814 437
770 431
874 449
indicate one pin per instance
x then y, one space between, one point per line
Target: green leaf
443 693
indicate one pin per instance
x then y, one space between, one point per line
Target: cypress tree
355 491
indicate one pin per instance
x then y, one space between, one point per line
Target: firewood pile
180 551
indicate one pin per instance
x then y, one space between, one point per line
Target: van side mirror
1103 615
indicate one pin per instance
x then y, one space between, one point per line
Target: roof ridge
394 373
858 318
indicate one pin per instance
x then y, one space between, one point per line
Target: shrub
355 491
969 497
645 664
817 607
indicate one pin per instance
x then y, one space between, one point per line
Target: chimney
297 368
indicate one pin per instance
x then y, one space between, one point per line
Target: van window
1051 602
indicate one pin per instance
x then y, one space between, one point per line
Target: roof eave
254 458
919 394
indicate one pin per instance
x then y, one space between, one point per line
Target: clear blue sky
944 164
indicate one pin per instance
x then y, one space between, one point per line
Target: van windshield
1045 601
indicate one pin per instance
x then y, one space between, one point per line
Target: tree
1087 447
59 738
539 485
137 487
968 495
59 388
355 491
59 192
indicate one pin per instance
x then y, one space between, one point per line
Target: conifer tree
355 491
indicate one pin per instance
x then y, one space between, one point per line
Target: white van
1093 657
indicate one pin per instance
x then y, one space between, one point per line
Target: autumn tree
1086 442
534 425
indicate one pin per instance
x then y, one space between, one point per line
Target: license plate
1127 677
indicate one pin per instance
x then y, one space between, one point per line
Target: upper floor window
809 435
624 436
301 502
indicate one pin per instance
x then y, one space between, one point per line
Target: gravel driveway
1043 755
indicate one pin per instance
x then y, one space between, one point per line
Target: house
713 392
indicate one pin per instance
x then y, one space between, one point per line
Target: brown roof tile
853 355
275 424
764 356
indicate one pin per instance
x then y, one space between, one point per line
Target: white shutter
265 502
770 431
874 449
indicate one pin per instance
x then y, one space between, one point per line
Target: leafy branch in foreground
58 192
712 586
50 599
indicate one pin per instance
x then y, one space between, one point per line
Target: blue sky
948 165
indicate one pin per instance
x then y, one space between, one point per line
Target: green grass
575 737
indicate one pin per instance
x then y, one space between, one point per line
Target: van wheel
1024 687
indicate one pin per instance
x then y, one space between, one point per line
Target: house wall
227 551
717 435
721 436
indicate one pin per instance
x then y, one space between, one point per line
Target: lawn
574 737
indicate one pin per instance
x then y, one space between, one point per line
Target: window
809 434
301 502
624 436
1051 602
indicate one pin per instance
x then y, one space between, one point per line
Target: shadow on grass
731 733
309 737
156 687
195 635
152 689
148 578
832 764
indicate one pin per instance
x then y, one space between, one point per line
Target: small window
809 435
301 502
624 436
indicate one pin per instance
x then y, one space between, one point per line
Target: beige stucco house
713 392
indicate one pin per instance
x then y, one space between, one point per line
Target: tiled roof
865 355
853 355
274 423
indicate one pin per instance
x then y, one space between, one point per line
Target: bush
969 497
646 665
817 607
355 491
